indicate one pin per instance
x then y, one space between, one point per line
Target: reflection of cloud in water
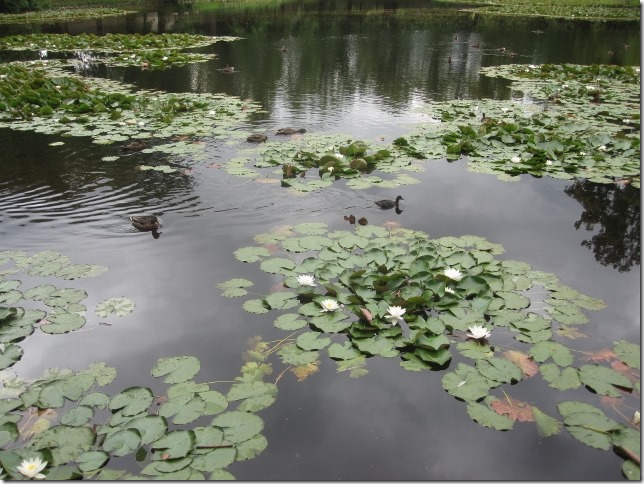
397 425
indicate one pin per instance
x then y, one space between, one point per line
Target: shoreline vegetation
27 11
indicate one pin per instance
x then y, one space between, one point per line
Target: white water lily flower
450 290
329 305
32 467
306 280
548 162
515 159
582 153
591 88
43 53
165 57
478 332
395 314
602 148
453 274
330 169
636 418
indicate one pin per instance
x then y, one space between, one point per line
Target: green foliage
72 448
19 6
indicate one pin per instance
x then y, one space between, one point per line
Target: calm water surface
343 72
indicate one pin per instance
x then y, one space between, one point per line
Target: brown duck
288 131
146 223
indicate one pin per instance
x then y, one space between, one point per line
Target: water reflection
615 210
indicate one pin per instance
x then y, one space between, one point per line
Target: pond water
359 68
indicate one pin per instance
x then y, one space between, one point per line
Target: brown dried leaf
611 402
523 361
571 332
515 409
605 354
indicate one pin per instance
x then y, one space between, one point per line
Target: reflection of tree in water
617 209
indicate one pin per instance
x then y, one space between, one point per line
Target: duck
290 131
146 223
257 138
386 204
228 69
136 145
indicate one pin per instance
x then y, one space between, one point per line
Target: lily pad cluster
395 293
313 162
148 51
43 97
65 311
582 122
113 43
65 420
580 10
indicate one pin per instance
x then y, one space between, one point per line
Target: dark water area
359 68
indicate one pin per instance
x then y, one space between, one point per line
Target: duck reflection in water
147 223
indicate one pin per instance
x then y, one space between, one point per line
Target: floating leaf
290 354
119 306
603 380
566 379
514 409
234 287
178 369
131 401
312 341
547 426
499 370
238 426
289 322
251 448
63 322
176 443
551 349
122 443
523 361
627 352
588 424
92 460
251 254
77 416
486 417
214 460
9 355
466 383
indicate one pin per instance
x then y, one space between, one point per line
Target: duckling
386 204
290 131
257 138
146 223
228 69
136 145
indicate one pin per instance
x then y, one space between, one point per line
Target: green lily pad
178 369
119 306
